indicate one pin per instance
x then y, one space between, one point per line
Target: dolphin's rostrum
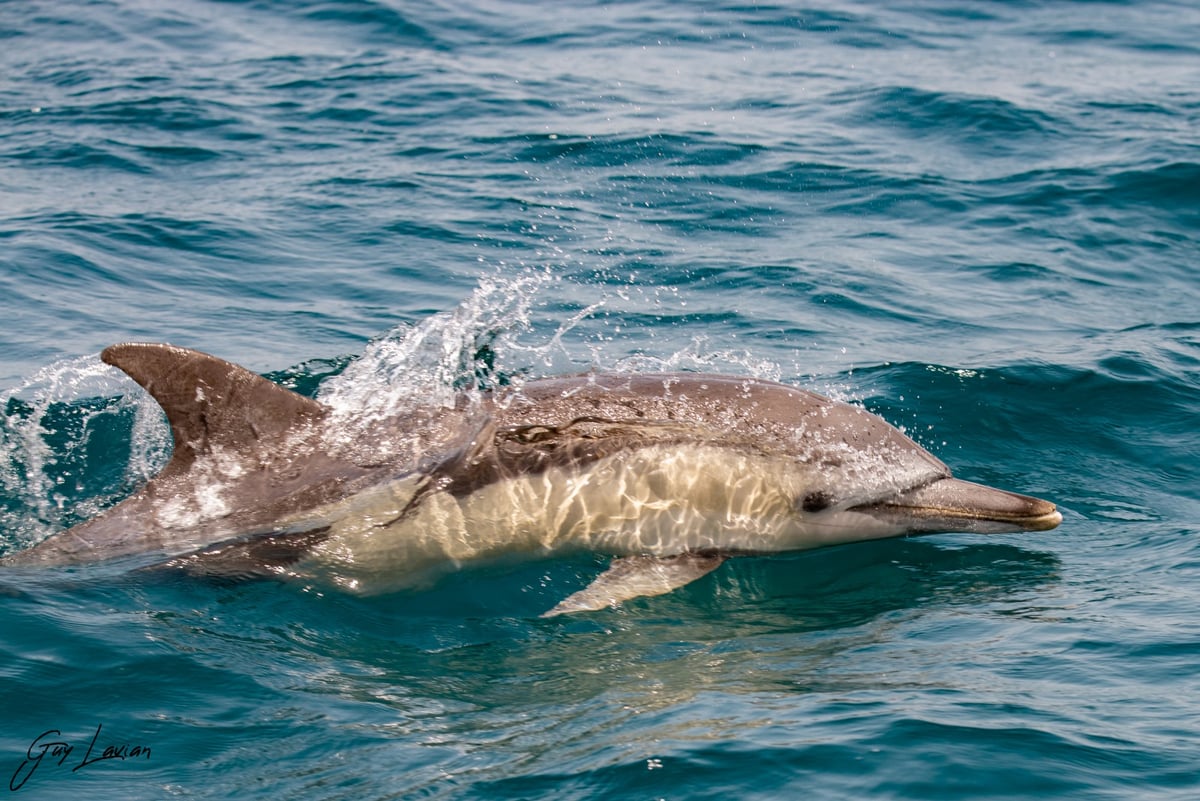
669 473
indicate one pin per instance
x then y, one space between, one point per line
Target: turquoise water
980 220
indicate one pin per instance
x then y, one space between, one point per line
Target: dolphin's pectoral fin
635 576
264 556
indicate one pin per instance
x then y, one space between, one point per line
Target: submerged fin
210 402
635 576
263 556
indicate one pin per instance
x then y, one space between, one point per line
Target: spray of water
429 363
73 437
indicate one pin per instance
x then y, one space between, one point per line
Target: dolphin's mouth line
955 513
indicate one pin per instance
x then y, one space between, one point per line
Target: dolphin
670 474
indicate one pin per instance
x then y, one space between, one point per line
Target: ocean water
978 219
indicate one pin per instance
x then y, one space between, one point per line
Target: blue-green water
981 220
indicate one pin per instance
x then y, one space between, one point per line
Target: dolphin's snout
949 504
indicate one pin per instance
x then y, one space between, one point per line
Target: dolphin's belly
656 500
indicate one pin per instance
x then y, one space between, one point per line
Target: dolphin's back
745 413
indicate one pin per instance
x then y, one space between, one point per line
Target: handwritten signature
46 746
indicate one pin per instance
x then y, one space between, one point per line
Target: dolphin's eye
816 502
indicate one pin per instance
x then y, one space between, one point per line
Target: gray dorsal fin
211 403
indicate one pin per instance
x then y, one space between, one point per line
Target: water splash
514 327
74 437
431 362
701 356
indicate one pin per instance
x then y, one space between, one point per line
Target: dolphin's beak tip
1031 514
1044 517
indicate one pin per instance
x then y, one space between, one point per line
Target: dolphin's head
862 478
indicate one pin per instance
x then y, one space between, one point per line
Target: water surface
976 219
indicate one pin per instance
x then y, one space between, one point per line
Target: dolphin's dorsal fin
211 403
